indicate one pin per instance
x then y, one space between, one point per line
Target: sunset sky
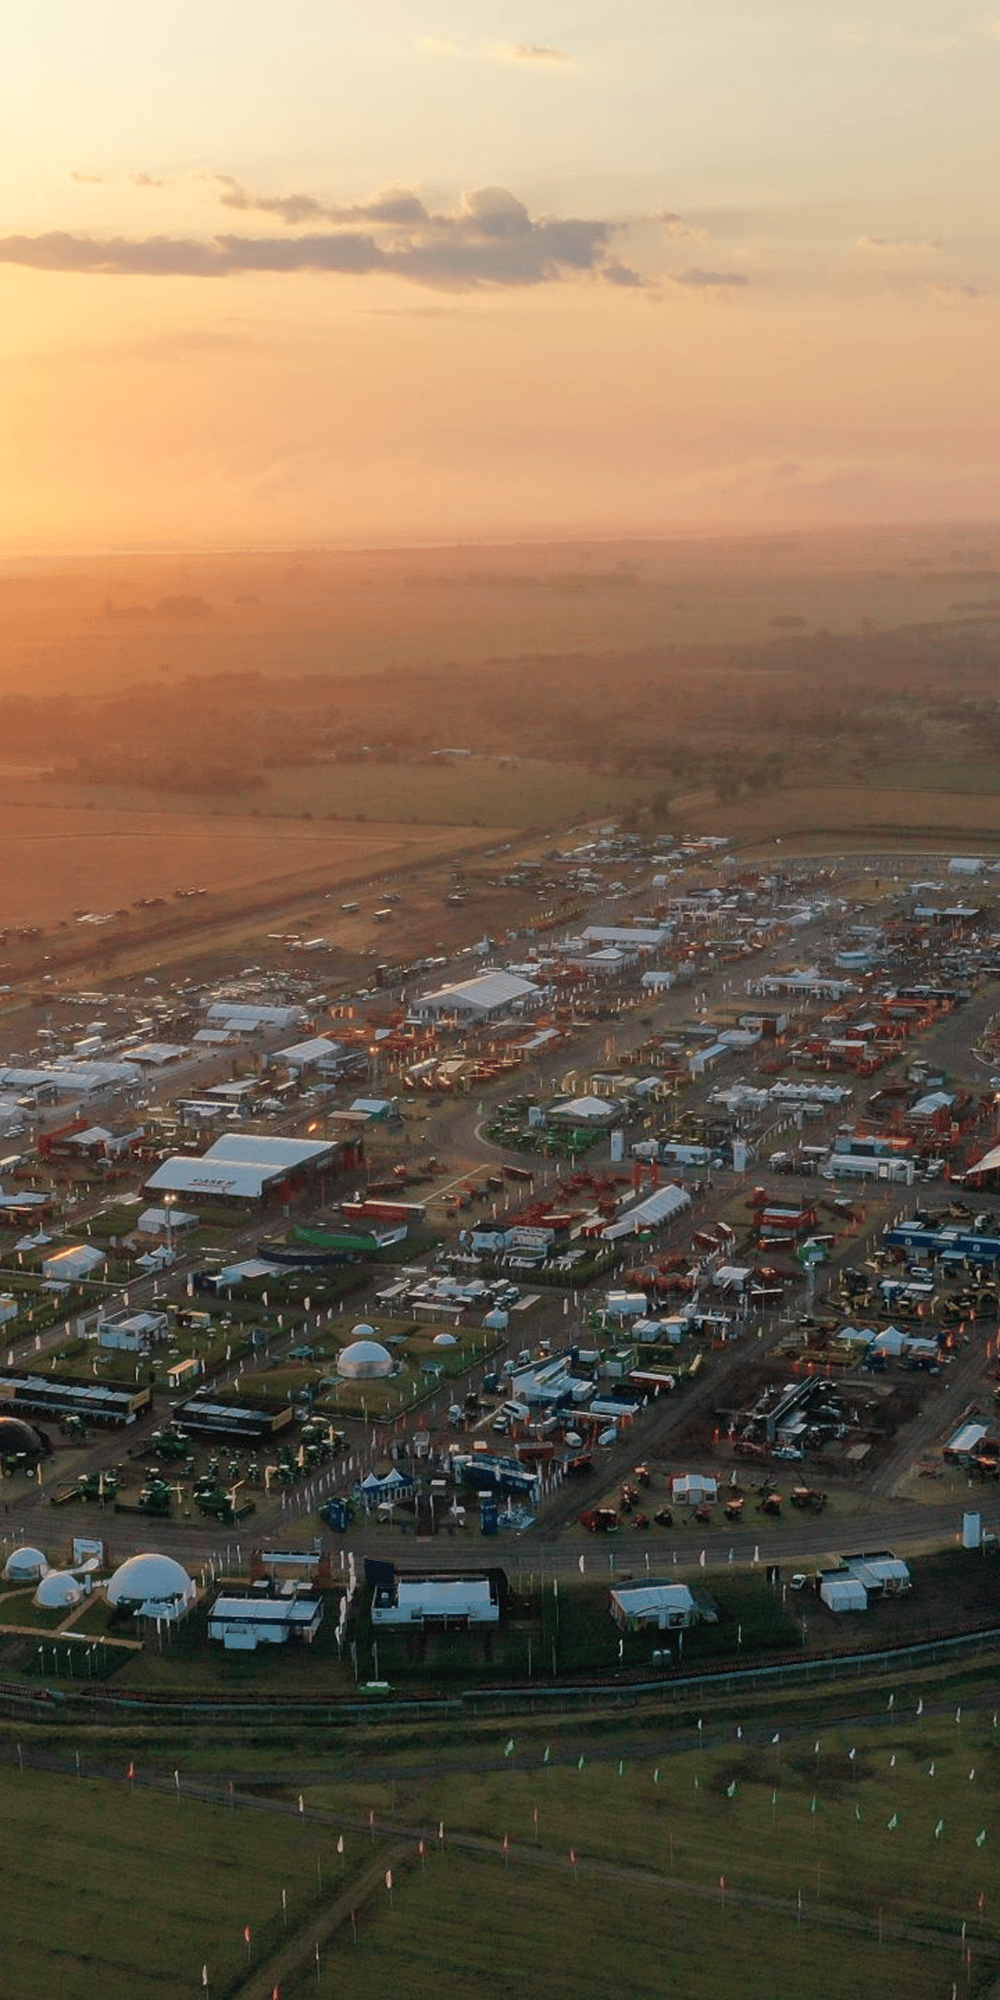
303 269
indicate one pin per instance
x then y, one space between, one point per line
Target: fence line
52 1704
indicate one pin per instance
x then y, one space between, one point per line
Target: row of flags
892 1825
509 1748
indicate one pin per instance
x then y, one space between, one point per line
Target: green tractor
222 1503
171 1443
98 1486
156 1497
321 1441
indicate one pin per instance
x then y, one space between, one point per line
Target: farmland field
61 858
475 792
396 610
844 816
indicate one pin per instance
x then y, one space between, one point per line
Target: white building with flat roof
666 1606
437 1600
244 1623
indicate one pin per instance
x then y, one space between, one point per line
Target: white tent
692 1489
843 1593
891 1340
660 1206
584 1111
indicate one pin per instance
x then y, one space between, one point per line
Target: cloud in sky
146 181
392 205
944 288
439 45
489 240
618 273
529 55
86 180
896 245
709 280
676 227
537 53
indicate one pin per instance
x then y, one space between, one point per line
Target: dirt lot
885 1403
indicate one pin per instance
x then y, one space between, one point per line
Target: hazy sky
275 269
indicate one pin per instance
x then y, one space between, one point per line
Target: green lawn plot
188 1660
485 792
854 815
473 1926
85 1361
58 1645
299 1289
421 1366
62 1657
39 1310
511 1651
26 1267
228 1338
582 1637
117 1218
937 774
17 1608
112 1891
570 1269
98 1619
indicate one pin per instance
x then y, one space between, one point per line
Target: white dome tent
152 1586
365 1360
25 1565
59 1590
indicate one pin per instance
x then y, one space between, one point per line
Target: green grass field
115 1892
474 1929
118 1892
653 1835
750 1619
